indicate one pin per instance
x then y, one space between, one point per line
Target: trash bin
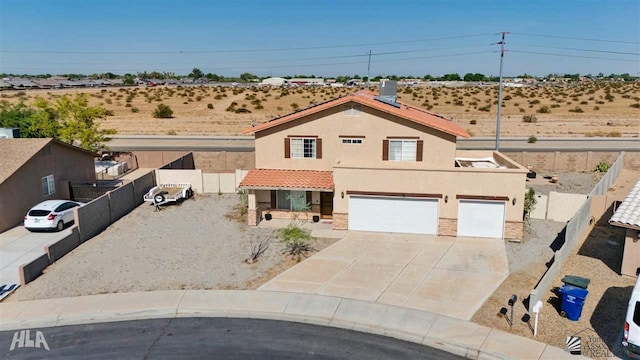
572 301
576 281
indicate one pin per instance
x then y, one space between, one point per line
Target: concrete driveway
443 275
20 246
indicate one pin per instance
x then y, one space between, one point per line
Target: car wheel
60 225
158 198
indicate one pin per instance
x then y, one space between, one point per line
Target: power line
578 49
235 51
573 56
578 38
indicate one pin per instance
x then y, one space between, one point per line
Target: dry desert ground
609 109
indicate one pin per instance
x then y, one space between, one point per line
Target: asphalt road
213 338
246 143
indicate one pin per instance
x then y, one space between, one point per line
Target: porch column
253 213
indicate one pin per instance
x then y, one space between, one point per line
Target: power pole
502 51
368 68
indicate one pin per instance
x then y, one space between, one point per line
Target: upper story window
298 147
351 141
402 150
352 110
48 185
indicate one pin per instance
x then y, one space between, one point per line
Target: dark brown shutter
318 148
385 150
419 147
287 148
309 198
273 199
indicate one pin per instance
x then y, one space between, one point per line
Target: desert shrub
534 102
108 101
473 122
635 105
279 108
521 110
162 112
543 109
577 109
199 98
614 134
596 108
532 139
602 167
134 109
171 132
209 106
529 118
584 102
109 112
485 108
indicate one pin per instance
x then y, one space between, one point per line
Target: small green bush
532 139
134 109
162 112
602 167
473 122
577 109
543 109
529 118
209 106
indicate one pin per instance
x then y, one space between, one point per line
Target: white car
50 215
631 336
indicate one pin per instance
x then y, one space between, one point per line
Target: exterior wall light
513 201
342 194
446 198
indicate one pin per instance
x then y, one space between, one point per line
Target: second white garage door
481 218
388 214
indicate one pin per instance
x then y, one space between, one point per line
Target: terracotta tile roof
628 213
16 152
287 179
366 98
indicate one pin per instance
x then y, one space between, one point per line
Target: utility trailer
168 193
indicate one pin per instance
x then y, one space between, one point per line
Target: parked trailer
168 193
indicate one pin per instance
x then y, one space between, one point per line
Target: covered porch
288 194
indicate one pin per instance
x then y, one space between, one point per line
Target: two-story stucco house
371 163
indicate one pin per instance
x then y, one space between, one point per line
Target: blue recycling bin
572 301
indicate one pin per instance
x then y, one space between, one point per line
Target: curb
455 336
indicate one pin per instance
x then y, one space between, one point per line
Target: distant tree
247 77
143 75
212 77
451 77
342 78
196 74
168 75
474 77
356 76
155 75
129 80
427 77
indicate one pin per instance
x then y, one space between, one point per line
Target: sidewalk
452 335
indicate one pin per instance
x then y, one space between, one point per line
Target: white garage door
388 214
481 218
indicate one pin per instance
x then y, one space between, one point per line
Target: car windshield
39 212
636 314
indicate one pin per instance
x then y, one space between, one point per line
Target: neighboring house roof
628 213
17 152
288 179
366 98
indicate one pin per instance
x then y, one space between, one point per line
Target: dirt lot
598 257
592 109
193 245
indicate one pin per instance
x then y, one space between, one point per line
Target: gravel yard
598 258
568 182
194 245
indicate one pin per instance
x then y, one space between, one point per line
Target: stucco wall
193 177
631 258
457 181
23 189
439 148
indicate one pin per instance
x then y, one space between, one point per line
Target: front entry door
326 205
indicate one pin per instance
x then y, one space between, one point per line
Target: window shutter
309 198
273 199
287 148
318 148
419 147
385 150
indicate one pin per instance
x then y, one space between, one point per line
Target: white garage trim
477 218
393 214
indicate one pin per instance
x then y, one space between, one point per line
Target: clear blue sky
324 38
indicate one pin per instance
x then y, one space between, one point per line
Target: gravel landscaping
198 244
598 258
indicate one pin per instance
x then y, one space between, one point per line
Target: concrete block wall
63 246
94 217
121 201
572 161
221 161
29 272
142 185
